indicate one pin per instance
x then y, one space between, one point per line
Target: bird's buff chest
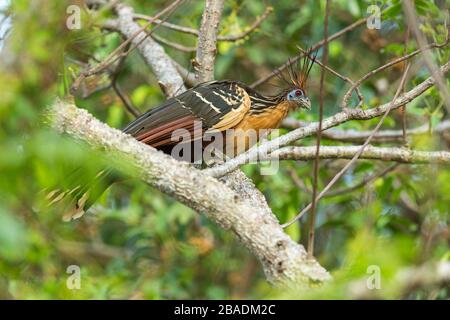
254 126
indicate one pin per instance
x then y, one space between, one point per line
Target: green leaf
13 239
392 12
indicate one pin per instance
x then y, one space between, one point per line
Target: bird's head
299 97
296 82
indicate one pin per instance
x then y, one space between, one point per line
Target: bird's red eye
298 93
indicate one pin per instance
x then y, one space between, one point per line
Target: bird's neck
259 102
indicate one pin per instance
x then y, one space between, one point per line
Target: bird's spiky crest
299 72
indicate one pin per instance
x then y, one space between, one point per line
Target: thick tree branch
405 281
135 37
152 52
188 77
375 153
207 39
380 136
284 261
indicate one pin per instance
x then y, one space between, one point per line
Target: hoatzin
215 106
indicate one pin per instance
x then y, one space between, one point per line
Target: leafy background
136 243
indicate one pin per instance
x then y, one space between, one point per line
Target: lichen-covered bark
207 39
397 154
153 53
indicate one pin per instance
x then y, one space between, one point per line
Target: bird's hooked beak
305 103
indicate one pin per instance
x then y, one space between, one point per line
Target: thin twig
403 108
334 72
313 48
346 98
312 217
116 87
188 76
360 151
195 32
123 97
166 24
362 183
125 100
250 29
345 190
432 67
174 45
119 52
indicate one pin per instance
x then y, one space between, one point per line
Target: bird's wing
219 105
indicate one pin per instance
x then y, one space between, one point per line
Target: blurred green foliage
138 243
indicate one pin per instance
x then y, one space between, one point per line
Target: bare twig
433 68
174 45
119 52
363 182
313 48
358 153
402 109
113 72
153 53
312 217
125 100
138 16
207 39
346 98
116 87
195 32
188 77
249 30
345 190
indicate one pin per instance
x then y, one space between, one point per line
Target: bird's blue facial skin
295 94
298 95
